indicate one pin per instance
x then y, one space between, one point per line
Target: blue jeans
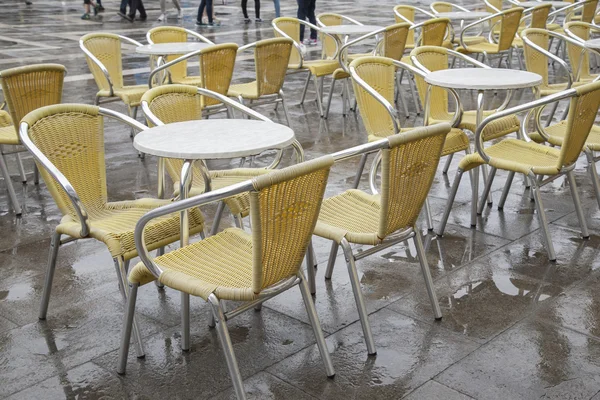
306 9
277 8
208 5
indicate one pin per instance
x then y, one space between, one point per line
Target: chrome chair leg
319 96
453 191
185 321
359 171
127 327
507 185
428 218
448 162
54 246
305 88
316 325
577 202
331 88
435 305
285 109
217 220
223 333
7 181
21 168
36 175
331 260
358 297
400 98
474 195
239 222
594 174
486 190
310 268
542 218
121 268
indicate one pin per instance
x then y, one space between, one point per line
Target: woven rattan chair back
434 31
539 16
106 47
510 20
271 57
379 73
433 58
171 34
407 12
407 171
216 69
493 7
394 41
441 6
589 11
580 61
291 27
582 114
28 88
175 103
534 60
71 136
284 209
329 45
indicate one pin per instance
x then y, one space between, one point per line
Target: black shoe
145 17
200 23
125 16
28 3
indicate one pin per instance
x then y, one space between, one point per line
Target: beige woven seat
407 170
176 34
25 89
536 160
317 69
235 265
67 142
271 58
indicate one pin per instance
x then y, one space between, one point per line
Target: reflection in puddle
505 284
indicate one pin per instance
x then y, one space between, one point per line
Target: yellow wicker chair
270 60
216 70
25 89
171 34
329 49
176 103
536 160
103 56
67 142
509 24
443 6
579 55
537 17
391 45
317 69
428 59
588 13
408 14
384 219
235 265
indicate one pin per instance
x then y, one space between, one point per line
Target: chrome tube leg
507 185
218 215
412 84
474 196
36 174
127 327
399 94
358 297
594 174
331 88
54 246
285 109
319 97
542 218
121 267
453 191
185 321
359 171
487 198
21 168
486 190
223 333
331 260
305 88
310 268
316 325
428 215
448 162
437 312
132 114
239 222
11 190
553 110
577 202
345 95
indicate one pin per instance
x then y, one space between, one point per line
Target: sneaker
162 17
200 23
258 19
312 42
125 16
216 22
247 20
303 49
86 16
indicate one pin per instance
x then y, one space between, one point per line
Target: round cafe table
346 30
593 44
481 79
463 15
555 4
171 49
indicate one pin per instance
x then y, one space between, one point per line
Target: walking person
277 8
163 10
256 10
208 4
137 5
123 10
87 4
306 9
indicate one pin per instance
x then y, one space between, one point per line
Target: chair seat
246 90
340 74
8 135
558 131
220 264
353 215
495 129
319 67
190 80
114 225
547 90
131 95
490 48
470 40
239 204
517 156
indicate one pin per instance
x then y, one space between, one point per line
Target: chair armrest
100 65
170 64
344 49
551 56
473 24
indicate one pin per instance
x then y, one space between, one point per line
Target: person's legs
133 8
257 9
301 16
123 7
141 9
277 8
311 17
209 11
245 9
200 11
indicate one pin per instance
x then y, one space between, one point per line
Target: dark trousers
124 4
137 5
256 8
209 9
306 9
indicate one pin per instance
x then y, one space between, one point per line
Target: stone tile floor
515 326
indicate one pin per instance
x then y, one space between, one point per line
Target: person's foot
125 16
145 17
28 2
310 42
247 20
100 8
162 17
86 16
200 23
258 19
302 49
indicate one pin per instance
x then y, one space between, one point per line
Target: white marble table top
555 4
350 29
463 15
168 49
483 78
213 139
593 44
